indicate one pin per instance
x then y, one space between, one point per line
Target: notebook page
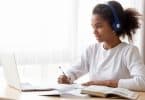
125 93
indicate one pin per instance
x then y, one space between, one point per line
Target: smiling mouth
97 36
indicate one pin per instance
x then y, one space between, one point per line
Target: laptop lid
8 62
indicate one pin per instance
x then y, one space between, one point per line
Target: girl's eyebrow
99 23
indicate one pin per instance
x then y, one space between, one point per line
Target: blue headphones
116 22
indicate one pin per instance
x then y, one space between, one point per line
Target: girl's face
102 29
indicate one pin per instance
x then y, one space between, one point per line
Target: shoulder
131 52
128 47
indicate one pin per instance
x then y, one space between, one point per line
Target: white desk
7 92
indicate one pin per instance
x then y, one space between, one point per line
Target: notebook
104 91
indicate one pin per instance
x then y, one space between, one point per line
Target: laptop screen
9 65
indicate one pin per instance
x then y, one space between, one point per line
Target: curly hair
128 18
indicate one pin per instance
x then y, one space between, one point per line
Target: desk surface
8 92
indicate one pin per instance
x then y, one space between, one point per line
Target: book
104 91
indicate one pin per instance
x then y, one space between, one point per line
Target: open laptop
10 69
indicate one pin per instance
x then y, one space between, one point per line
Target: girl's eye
97 25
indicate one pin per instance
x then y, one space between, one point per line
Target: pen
62 70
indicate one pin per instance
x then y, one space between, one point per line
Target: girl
111 62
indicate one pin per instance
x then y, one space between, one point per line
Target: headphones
116 22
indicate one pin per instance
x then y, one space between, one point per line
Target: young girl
111 62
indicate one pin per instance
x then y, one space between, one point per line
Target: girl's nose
95 32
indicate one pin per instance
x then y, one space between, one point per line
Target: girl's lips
97 36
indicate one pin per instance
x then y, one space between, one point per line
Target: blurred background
44 34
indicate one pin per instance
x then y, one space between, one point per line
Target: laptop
10 69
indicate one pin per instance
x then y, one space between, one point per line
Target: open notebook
104 91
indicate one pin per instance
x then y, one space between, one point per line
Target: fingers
62 79
104 83
85 84
89 83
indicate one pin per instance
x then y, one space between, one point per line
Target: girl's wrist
112 83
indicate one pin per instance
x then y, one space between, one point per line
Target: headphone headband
116 23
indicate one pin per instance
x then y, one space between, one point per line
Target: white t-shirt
122 63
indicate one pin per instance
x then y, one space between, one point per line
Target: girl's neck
111 44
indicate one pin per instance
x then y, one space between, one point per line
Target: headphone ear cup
116 27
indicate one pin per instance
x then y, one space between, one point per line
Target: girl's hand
110 83
63 79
